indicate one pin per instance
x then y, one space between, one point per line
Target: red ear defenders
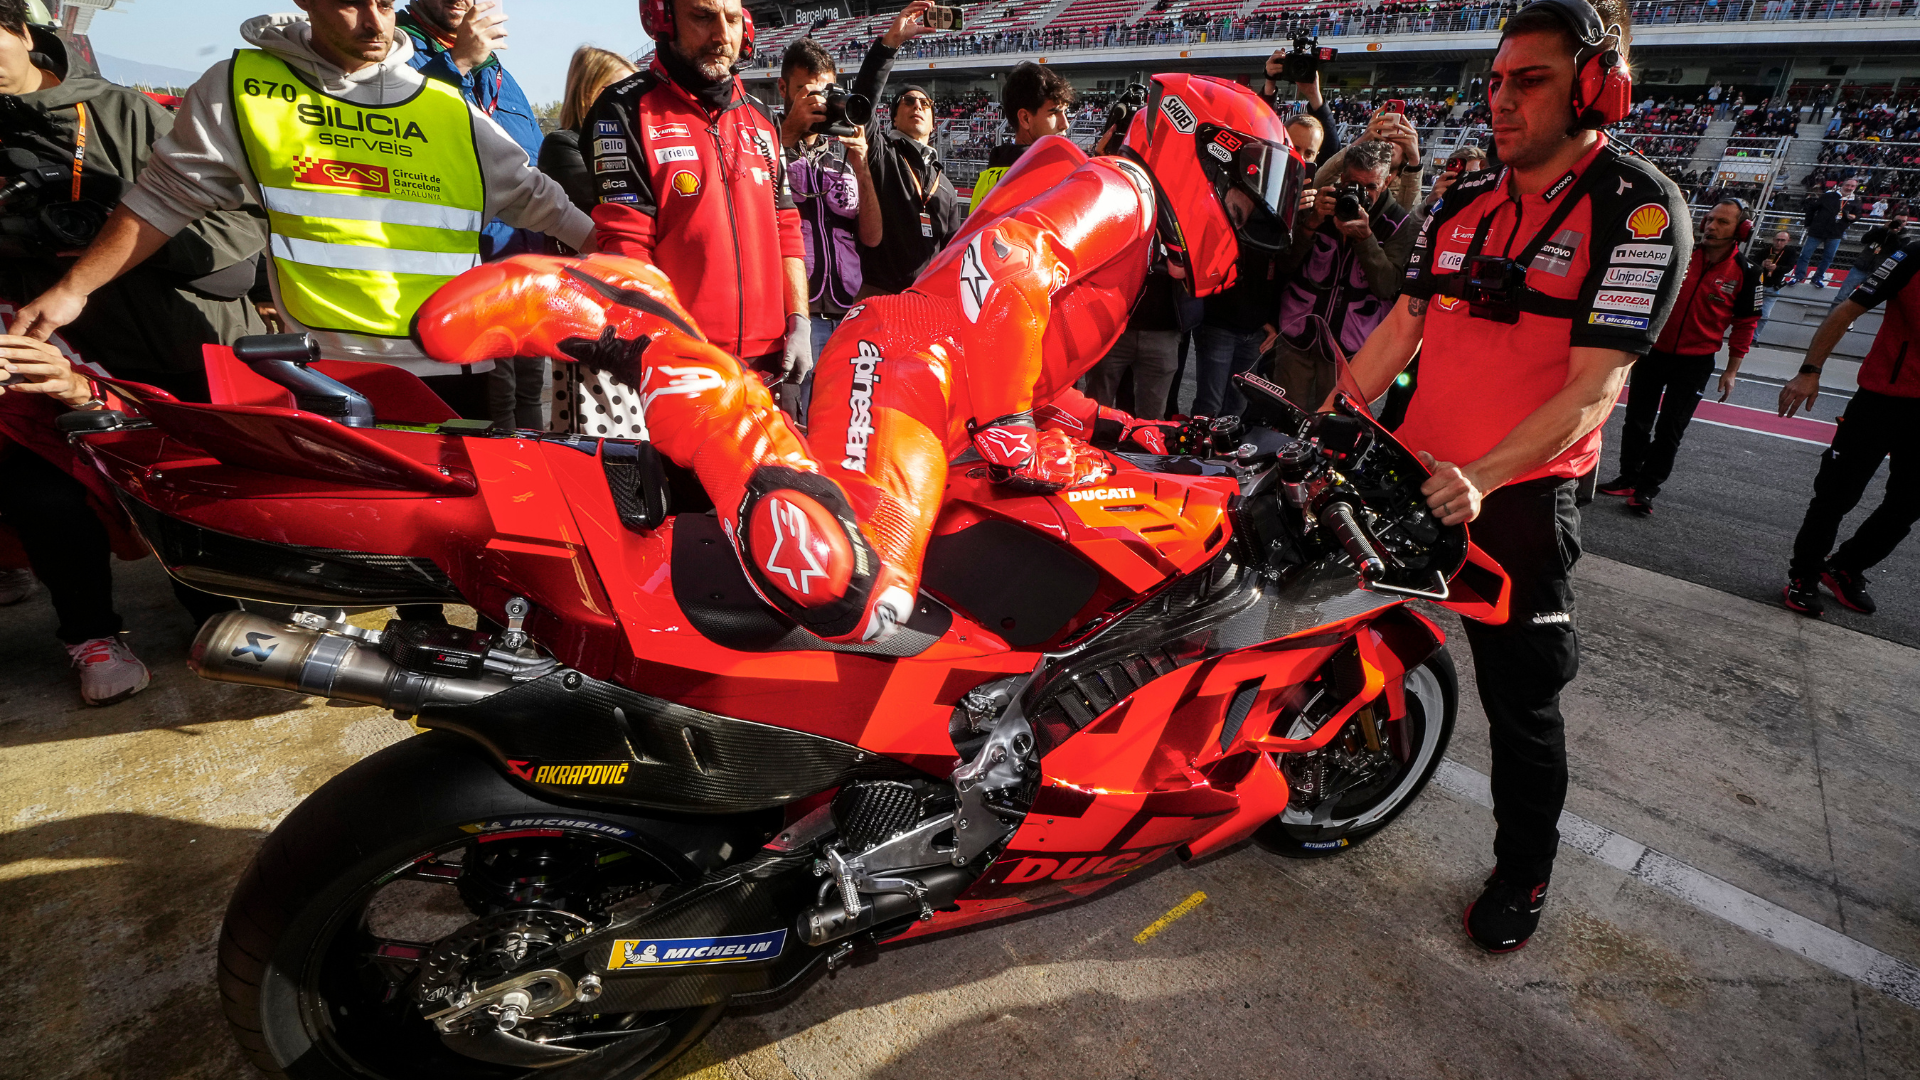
1602 86
656 18
1744 232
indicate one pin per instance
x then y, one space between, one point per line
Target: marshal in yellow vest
371 207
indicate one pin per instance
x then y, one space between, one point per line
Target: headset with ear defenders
656 18
1602 85
1744 231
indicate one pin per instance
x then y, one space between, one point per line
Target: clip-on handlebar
283 359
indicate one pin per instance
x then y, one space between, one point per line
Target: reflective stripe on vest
371 207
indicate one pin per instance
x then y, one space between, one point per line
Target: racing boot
1505 916
1849 588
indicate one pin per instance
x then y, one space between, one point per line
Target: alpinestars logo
1004 446
793 537
974 281
866 376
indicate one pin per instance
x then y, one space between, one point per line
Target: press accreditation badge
926 225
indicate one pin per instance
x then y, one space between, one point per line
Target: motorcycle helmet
1224 172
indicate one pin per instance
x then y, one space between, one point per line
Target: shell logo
687 183
1647 222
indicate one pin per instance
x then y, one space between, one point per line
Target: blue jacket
492 90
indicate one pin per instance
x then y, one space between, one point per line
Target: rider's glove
1113 427
1026 459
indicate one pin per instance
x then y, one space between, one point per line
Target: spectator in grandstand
832 188
454 41
1776 260
1336 276
1878 424
1827 219
919 208
1720 291
1035 101
1880 242
1328 142
590 71
713 211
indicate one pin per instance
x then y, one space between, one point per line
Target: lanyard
79 146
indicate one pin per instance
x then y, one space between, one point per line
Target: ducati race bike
641 795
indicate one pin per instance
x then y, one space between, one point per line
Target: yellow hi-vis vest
371 207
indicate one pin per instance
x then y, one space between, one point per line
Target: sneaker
1617 486
1803 595
109 672
1850 589
15 586
1640 504
1505 916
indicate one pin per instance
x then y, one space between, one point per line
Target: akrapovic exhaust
242 647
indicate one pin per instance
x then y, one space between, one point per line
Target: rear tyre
1360 793
414 849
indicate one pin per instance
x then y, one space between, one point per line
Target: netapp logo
866 375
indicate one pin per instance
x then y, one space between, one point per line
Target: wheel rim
1426 708
357 993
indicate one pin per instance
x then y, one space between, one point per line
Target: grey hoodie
202 166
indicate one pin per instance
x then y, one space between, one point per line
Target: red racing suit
704 197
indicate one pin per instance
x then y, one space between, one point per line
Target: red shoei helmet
1224 171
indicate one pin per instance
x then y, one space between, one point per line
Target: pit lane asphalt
1774 753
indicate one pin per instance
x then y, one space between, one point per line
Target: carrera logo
1623 301
589 775
1626 277
679 952
1098 494
340 174
1178 114
666 154
666 131
1643 254
866 375
1648 221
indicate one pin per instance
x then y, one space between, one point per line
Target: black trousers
69 548
1533 530
1874 427
1670 385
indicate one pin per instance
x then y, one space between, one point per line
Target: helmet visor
1258 183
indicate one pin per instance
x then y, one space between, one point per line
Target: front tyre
413 870
1349 790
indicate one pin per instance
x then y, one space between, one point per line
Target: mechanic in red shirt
1720 291
1526 347
1879 424
688 171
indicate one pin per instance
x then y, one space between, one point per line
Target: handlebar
1338 516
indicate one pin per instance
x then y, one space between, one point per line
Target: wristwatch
1809 369
1412 167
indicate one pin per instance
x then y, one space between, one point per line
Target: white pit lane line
1797 933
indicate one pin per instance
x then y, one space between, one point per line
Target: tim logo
340 174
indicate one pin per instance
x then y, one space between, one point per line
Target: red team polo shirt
1606 278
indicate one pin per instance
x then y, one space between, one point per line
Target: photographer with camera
1337 272
823 137
1320 140
919 208
1390 126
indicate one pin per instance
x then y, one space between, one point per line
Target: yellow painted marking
1164 921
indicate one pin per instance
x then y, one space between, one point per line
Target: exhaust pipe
244 647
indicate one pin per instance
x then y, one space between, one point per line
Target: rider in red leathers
980 354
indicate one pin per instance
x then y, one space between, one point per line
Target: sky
542 34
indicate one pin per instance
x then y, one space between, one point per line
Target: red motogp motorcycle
642 795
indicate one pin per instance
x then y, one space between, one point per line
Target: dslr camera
1303 63
1120 113
39 218
846 113
1347 205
